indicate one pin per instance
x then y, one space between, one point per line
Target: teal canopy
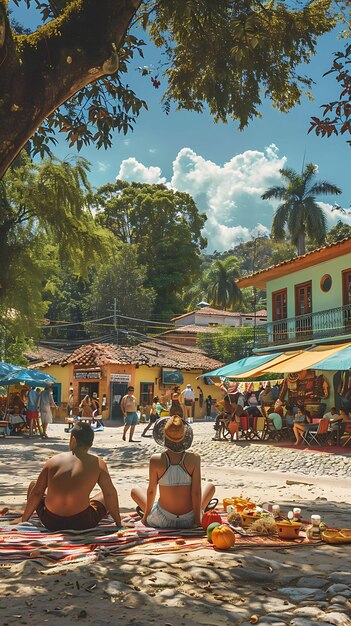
242 366
7 368
32 378
339 361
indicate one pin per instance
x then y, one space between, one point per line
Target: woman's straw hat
173 433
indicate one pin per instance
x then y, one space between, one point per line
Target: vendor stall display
307 389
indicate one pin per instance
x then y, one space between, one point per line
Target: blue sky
225 170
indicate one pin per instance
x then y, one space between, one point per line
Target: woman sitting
177 474
301 423
338 422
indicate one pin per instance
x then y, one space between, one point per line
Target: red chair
245 426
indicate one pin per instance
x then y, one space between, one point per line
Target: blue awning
240 367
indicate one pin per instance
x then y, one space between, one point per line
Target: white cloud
334 216
133 171
230 195
152 150
103 167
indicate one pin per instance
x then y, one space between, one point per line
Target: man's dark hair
130 388
83 434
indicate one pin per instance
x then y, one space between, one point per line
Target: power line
59 325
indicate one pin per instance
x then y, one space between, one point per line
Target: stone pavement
247 454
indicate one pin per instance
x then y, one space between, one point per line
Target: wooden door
303 307
279 314
346 296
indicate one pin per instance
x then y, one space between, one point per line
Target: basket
249 518
288 530
343 535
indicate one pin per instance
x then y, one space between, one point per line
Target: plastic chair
318 437
259 428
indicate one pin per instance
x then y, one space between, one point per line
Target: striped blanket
31 541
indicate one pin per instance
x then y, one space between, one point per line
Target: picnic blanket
31 541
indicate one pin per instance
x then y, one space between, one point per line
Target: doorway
117 391
87 389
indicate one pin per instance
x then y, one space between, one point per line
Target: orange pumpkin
223 537
209 517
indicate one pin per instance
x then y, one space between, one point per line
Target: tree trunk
40 71
301 243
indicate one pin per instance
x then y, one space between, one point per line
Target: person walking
70 401
154 416
129 408
32 410
46 401
189 399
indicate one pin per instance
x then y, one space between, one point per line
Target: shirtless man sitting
61 494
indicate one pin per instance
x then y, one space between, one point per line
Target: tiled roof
208 310
150 353
314 257
193 328
44 356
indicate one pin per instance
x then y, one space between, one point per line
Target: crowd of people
31 411
61 495
294 420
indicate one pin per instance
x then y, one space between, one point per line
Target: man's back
70 482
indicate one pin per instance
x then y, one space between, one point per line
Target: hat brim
179 446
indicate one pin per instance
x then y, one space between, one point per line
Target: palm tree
299 210
222 288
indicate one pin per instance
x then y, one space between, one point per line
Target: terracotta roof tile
207 310
42 356
150 353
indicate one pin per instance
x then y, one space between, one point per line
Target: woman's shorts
160 518
32 415
131 419
188 402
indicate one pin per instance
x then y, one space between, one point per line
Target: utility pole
115 319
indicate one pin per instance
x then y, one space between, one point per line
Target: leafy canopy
166 227
226 56
43 223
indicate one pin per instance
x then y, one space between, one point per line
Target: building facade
208 320
108 370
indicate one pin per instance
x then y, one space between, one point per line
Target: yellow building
153 369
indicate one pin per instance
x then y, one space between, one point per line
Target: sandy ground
310 584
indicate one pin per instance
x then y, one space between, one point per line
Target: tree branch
42 70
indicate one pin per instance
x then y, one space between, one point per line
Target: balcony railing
329 323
